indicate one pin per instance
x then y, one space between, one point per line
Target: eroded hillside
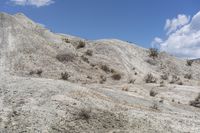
60 83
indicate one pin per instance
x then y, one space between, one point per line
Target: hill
52 82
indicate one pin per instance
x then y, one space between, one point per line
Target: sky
170 25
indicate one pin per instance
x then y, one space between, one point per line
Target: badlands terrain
57 83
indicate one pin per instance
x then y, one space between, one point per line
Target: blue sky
138 21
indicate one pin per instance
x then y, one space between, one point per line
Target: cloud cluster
183 39
37 3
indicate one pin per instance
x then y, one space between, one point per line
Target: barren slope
34 98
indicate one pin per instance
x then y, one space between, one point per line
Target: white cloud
37 3
155 43
176 23
184 42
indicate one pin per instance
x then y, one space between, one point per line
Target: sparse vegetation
89 52
188 76
153 93
149 78
189 62
116 76
196 102
65 76
65 57
153 53
81 44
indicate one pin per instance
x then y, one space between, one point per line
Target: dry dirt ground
56 83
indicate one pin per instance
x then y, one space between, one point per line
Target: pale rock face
104 90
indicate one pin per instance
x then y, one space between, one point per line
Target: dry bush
149 78
196 102
65 76
164 77
84 114
152 61
102 79
89 52
153 53
189 62
66 40
162 84
65 57
188 76
105 68
155 106
85 59
125 88
174 79
116 76
38 72
132 81
81 44
153 93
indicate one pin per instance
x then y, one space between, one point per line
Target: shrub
65 57
66 40
149 78
174 79
153 93
89 52
196 102
153 53
188 76
81 44
102 79
116 76
155 106
38 72
164 76
85 59
132 81
105 68
84 114
65 76
189 62
152 62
